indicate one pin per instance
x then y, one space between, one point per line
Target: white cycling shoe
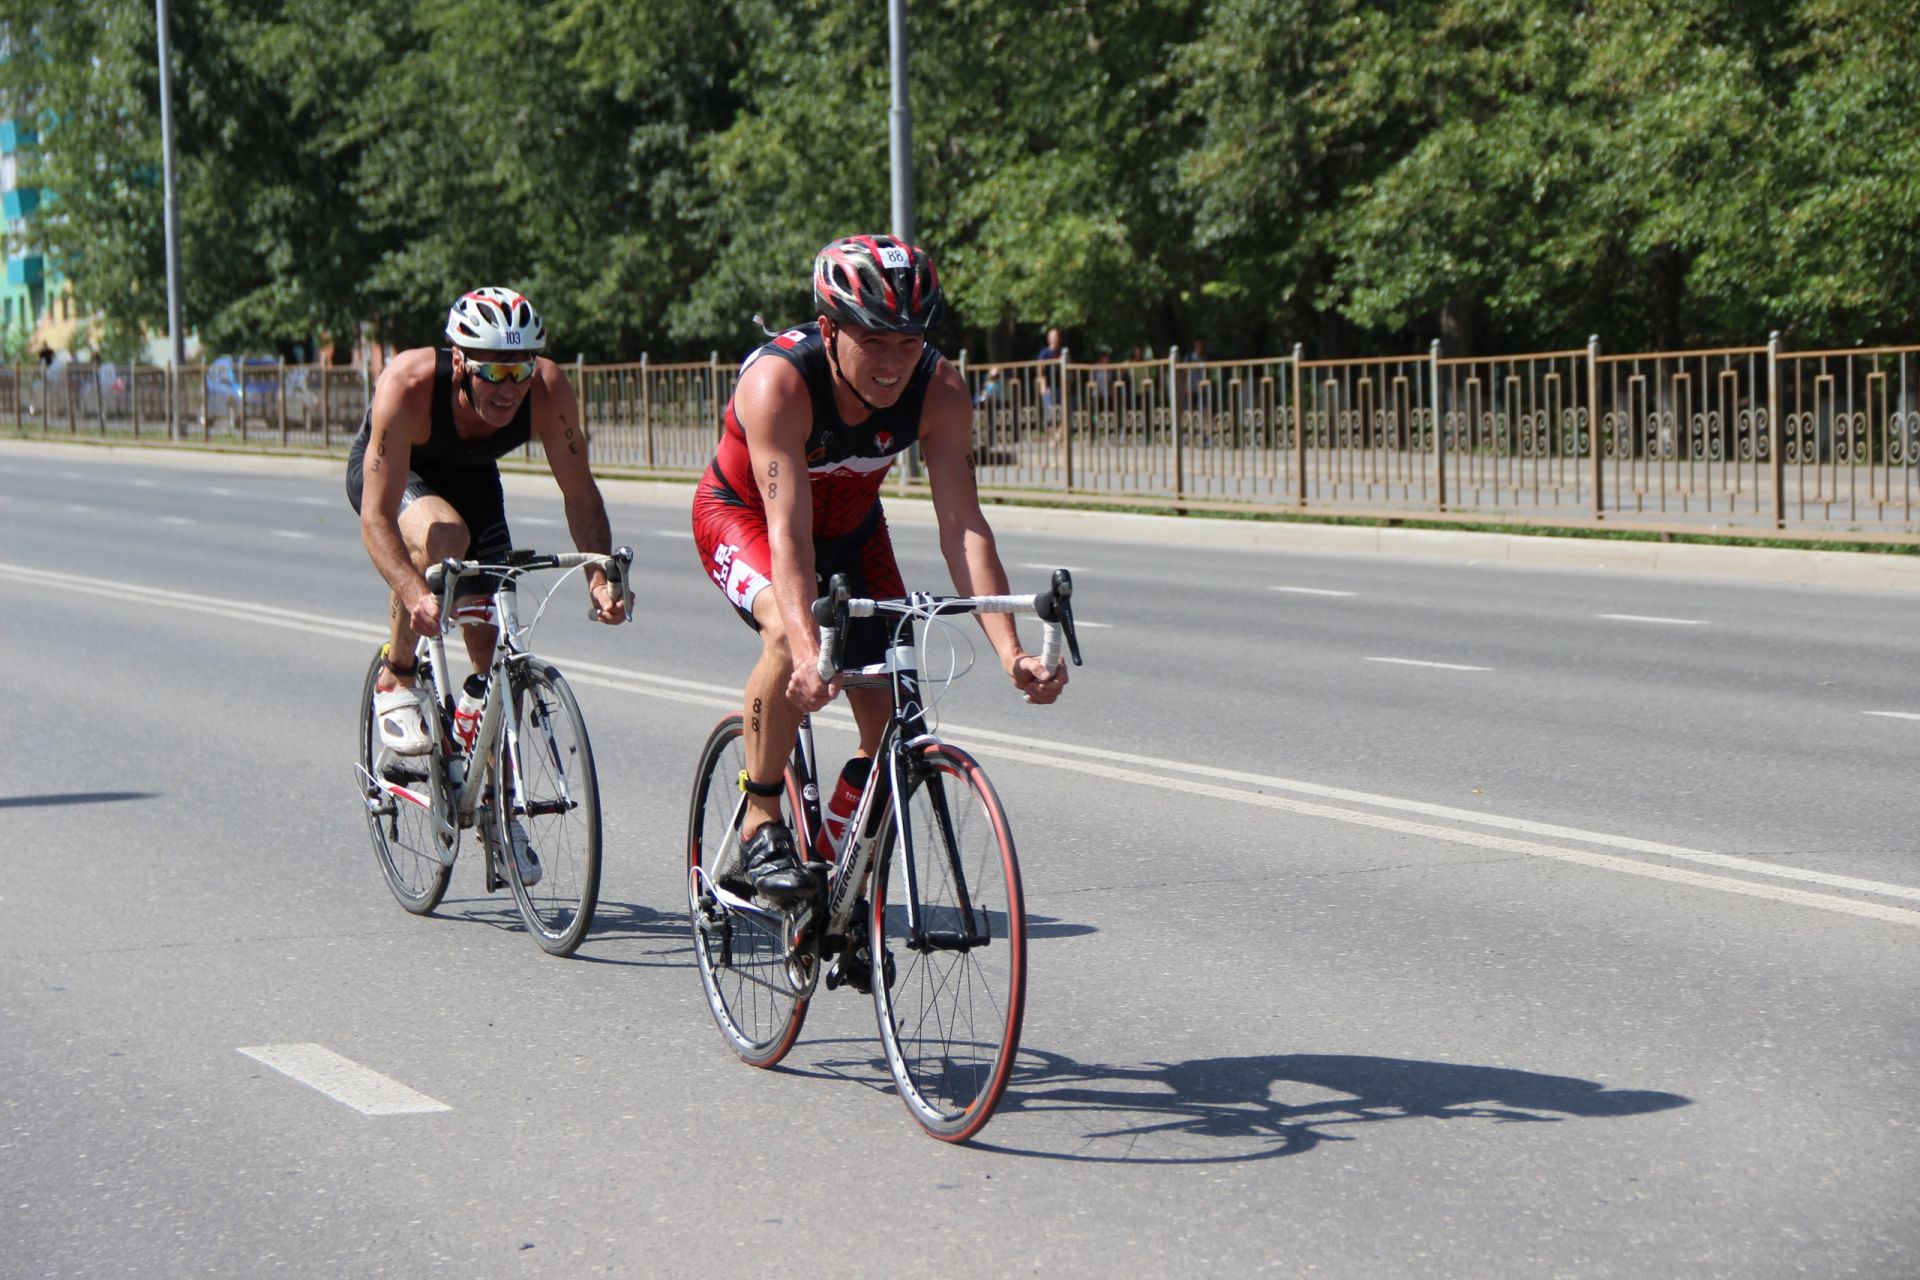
403 721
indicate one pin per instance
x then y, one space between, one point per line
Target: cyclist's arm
966 540
773 408
563 437
402 412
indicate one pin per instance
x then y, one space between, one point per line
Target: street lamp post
172 212
900 152
899 124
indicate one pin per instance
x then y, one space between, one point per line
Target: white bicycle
525 776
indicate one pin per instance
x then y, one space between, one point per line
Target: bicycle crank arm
948 940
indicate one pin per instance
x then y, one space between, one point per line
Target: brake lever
1055 606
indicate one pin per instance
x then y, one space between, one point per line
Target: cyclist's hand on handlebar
1035 682
423 614
807 691
608 606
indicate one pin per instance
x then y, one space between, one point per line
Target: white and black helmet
495 319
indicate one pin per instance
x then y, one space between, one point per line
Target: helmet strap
833 357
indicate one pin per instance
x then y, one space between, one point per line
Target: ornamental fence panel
1752 438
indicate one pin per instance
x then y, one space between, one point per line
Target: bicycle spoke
402 832
951 1020
742 955
551 793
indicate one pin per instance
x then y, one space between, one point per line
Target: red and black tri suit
846 466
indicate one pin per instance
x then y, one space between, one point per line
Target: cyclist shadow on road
73 797
1224 1110
664 932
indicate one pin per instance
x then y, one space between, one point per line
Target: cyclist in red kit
793 497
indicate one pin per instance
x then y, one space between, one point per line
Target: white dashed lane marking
176 520
1893 715
1671 622
1416 662
344 1080
292 533
1313 591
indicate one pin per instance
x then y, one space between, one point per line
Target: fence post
1066 417
280 380
1299 426
326 385
1593 426
1173 417
99 399
646 406
1774 433
73 420
1439 426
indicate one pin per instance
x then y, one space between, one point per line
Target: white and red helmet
495 319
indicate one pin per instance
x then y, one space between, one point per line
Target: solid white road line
1101 761
1313 591
1893 715
1415 662
1671 622
1602 861
344 1080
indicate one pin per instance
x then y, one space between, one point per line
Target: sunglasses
501 370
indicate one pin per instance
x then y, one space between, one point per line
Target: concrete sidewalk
1852 569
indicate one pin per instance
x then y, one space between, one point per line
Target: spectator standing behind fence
1052 374
992 389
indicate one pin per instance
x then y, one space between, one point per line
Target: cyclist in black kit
423 476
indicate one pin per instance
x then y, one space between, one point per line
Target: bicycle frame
466 770
904 736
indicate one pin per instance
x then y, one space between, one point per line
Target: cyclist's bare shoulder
772 401
948 409
554 403
403 398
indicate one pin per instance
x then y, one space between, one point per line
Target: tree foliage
1358 175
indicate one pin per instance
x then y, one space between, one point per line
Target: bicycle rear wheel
402 825
742 956
557 803
950 953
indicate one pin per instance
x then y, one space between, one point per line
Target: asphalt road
1587 949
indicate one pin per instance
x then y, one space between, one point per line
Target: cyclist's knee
441 540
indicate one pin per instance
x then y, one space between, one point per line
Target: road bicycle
921 908
522 770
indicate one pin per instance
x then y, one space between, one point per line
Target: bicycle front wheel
551 792
742 955
950 955
401 818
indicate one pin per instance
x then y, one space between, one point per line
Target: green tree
1847 250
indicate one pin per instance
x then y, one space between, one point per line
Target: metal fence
1752 438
